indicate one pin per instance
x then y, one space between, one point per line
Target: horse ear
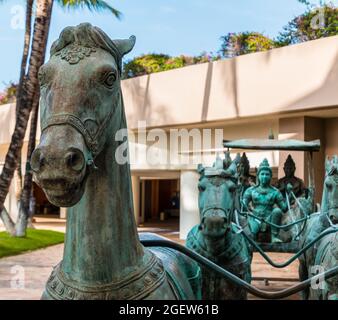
237 160
335 159
125 45
200 169
327 163
234 163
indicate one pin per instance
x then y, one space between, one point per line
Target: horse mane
88 37
329 165
221 167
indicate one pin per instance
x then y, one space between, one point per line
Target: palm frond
92 5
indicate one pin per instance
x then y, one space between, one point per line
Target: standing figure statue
298 186
246 180
264 201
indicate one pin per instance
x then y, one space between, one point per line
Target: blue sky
162 26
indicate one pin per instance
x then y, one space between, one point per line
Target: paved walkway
36 266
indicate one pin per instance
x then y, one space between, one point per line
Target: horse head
217 192
81 109
330 196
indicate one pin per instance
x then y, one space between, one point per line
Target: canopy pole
311 176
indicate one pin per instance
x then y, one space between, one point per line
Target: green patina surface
325 253
265 201
81 164
35 239
271 144
215 237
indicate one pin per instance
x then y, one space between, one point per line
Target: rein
236 280
332 229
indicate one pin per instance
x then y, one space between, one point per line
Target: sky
173 27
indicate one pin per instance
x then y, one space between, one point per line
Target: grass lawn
35 239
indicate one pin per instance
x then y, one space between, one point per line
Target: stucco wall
7 125
292 78
253 129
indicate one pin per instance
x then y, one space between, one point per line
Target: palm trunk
29 87
8 222
23 216
27 41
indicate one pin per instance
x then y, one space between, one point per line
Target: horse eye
109 79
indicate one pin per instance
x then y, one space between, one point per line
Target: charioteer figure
266 202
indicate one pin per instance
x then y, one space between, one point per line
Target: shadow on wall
207 89
279 67
138 88
249 85
328 87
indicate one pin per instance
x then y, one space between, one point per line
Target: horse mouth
63 195
214 225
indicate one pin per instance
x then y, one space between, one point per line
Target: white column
63 213
135 181
189 214
143 214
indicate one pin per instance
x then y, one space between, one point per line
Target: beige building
291 92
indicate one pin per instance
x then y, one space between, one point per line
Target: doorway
160 201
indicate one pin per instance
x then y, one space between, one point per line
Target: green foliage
97 5
151 63
9 94
144 64
235 44
35 239
315 23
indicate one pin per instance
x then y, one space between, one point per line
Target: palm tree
28 97
27 40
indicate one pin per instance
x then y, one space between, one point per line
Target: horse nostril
75 160
37 160
333 218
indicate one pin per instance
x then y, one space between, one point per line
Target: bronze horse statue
75 164
297 212
324 254
216 237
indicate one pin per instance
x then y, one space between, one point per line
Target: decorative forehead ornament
264 166
76 43
74 53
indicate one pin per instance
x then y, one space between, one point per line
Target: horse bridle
91 140
227 213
